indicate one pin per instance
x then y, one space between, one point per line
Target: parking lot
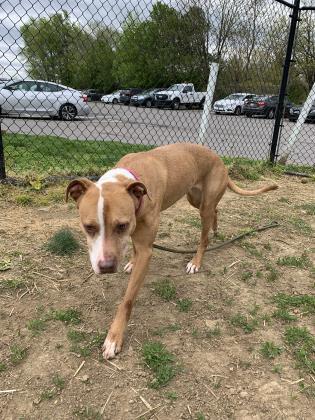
228 135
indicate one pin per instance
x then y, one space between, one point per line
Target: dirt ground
222 371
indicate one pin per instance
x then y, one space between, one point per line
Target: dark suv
265 105
93 94
126 94
145 98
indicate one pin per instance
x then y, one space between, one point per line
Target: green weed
62 243
68 316
293 261
165 290
269 350
184 305
160 361
302 343
18 354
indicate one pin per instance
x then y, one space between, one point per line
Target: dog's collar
137 178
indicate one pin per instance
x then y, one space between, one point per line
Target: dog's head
107 217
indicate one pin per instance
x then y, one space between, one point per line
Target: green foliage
305 302
160 361
68 316
83 343
165 289
284 315
3 367
293 261
247 324
269 350
309 208
12 284
302 343
75 157
36 325
62 243
184 305
59 50
18 354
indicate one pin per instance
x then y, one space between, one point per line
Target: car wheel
248 115
115 101
176 104
67 112
238 111
148 103
201 103
270 114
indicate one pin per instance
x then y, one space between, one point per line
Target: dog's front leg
143 239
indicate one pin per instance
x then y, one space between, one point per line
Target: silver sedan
39 97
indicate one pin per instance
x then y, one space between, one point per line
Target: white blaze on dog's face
107 215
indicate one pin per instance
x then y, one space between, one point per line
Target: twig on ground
114 364
79 368
106 402
147 412
210 390
9 391
11 312
23 294
189 410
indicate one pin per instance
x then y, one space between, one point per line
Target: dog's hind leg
212 192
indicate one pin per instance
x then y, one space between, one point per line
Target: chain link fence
82 83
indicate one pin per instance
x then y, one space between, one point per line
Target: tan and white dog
127 201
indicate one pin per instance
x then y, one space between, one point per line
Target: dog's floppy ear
77 188
137 188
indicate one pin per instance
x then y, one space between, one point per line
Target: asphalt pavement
228 135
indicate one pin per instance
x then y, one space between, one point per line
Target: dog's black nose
108 265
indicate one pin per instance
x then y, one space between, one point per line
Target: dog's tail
240 191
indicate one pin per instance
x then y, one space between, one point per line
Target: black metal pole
285 74
2 163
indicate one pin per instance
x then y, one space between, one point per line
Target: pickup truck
180 94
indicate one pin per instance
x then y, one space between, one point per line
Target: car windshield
175 87
235 97
260 98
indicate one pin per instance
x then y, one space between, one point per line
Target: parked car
232 104
146 98
266 106
39 97
111 98
126 94
93 94
295 111
180 94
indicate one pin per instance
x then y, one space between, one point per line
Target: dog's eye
90 229
121 227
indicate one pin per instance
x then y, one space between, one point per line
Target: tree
167 47
61 51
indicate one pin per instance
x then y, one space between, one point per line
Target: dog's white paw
110 348
191 268
128 267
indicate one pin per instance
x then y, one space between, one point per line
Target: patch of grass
58 382
26 152
293 261
246 275
24 200
284 315
302 343
12 284
160 361
83 343
165 290
68 316
3 367
36 326
277 369
18 354
272 274
309 208
302 226
247 324
193 221
252 249
184 305
62 243
171 395
270 350
48 394
200 416
305 302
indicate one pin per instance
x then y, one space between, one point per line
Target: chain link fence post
284 81
2 161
